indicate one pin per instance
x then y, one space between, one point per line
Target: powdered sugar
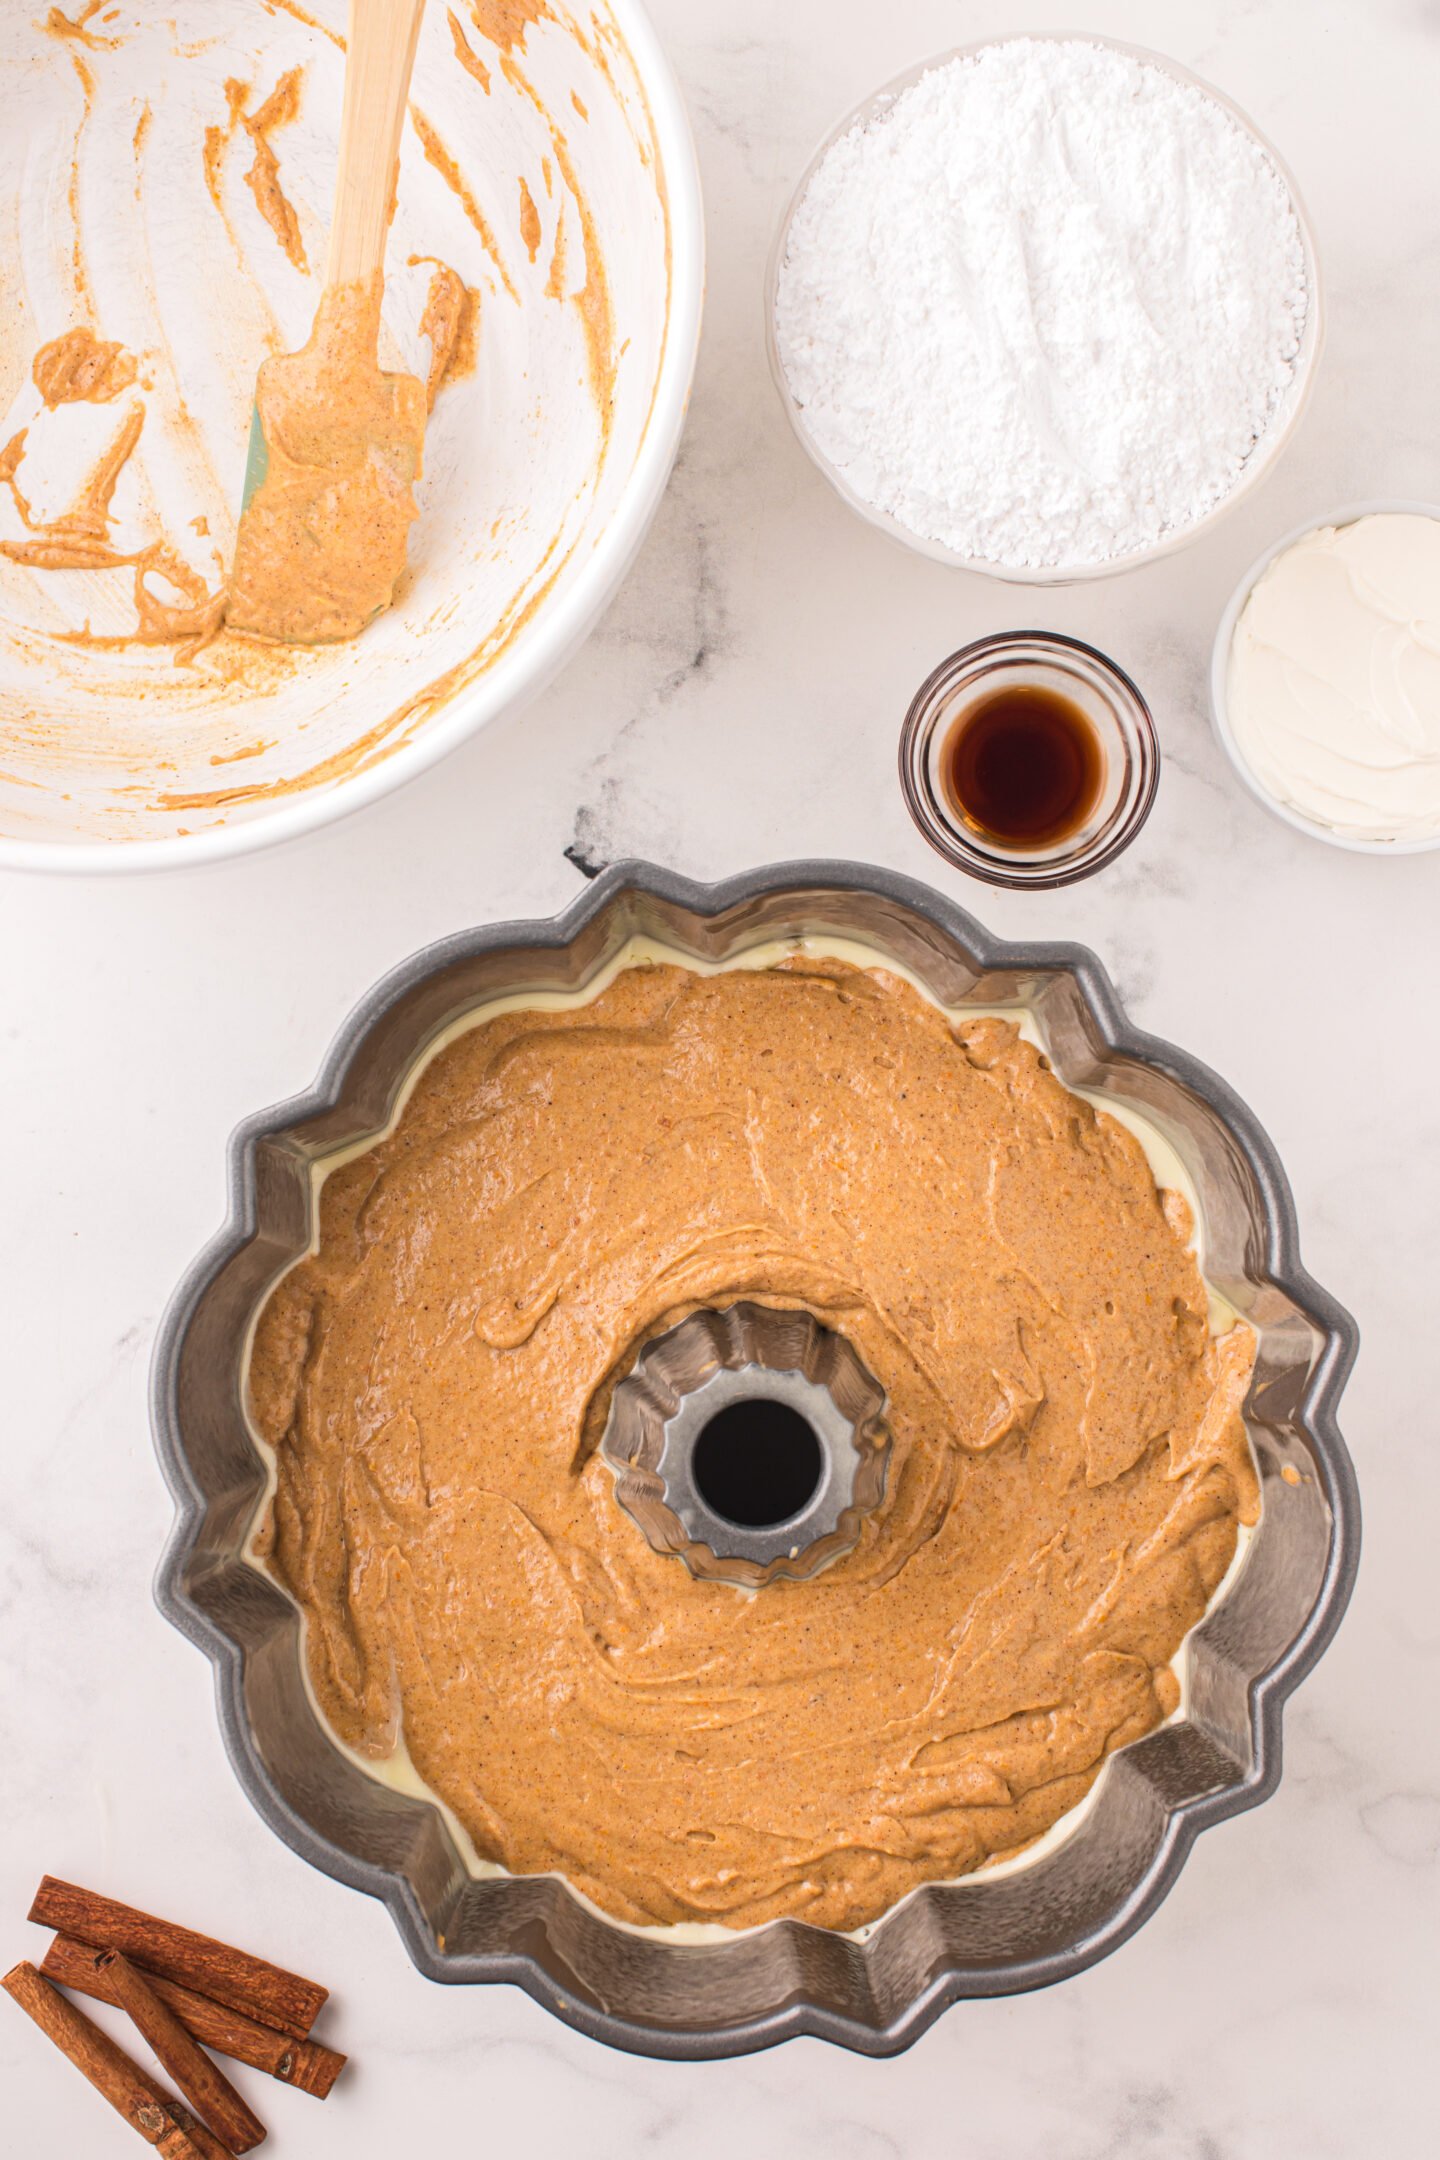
1042 307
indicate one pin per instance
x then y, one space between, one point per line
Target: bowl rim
1267 451
1265 1694
1350 514
523 672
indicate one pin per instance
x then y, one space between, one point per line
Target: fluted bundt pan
1023 1929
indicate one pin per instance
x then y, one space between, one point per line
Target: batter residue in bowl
186 181
79 368
1068 1474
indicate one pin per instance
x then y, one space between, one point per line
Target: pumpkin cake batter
1068 1468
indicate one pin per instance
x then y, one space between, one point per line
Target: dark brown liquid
1024 766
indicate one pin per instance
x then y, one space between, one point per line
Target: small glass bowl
1283 421
1032 659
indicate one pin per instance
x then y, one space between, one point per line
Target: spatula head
335 451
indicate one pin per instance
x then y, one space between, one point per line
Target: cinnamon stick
263 1991
208 2090
305 2064
146 2106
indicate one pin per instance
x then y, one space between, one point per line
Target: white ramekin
1219 669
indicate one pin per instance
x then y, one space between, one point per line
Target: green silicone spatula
335 443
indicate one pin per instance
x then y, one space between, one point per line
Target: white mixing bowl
548 161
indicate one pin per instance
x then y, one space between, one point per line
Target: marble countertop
740 704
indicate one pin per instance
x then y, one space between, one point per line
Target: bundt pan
1043 1922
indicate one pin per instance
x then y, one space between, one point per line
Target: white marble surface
740 704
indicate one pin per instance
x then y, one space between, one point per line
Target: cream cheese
1333 689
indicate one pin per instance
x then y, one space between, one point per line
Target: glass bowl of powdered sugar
1045 307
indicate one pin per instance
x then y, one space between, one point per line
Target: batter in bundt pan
1067 1475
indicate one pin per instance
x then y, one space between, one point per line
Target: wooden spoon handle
378 63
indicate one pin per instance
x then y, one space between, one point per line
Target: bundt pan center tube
1001 1932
